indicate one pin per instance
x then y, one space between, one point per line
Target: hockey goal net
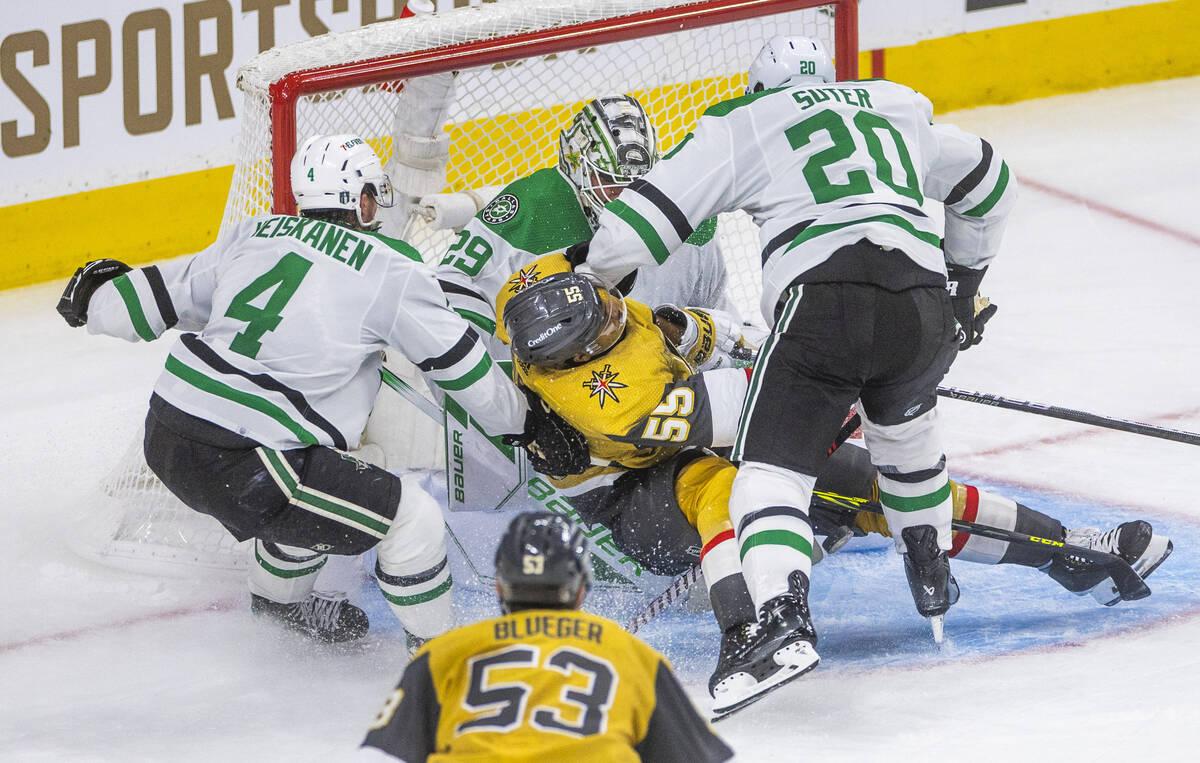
465 101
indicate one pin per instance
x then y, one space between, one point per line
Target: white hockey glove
707 338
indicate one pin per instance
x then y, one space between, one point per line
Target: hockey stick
686 580
674 590
1070 414
1128 582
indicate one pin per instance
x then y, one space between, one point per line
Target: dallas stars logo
604 383
524 278
501 209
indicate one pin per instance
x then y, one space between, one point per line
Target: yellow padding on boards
135 223
1065 55
702 489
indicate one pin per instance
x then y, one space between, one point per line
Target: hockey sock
421 601
284 574
411 569
916 497
975 505
769 510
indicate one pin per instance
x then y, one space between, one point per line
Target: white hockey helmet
791 60
609 144
332 171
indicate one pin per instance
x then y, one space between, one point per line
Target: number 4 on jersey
284 278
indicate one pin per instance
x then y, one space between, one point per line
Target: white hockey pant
768 506
412 569
914 488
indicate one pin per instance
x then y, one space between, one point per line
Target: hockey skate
927 567
757 658
1135 542
322 617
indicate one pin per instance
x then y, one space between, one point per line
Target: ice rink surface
1097 288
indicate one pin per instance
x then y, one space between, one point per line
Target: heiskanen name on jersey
747 153
254 367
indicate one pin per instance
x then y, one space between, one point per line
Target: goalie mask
789 60
609 144
332 171
563 316
542 562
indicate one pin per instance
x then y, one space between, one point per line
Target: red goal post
522 69
285 93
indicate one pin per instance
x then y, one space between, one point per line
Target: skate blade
795 660
1156 553
938 624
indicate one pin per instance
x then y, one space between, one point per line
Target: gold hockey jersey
609 398
541 685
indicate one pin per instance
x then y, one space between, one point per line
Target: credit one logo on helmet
544 335
500 209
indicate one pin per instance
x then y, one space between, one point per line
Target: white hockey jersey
287 320
818 167
541 213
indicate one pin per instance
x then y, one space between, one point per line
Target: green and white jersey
287 319
819 167
539 214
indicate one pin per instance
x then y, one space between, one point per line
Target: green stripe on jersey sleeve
986 205
136 315
470 377
641 226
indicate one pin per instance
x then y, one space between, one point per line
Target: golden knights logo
523 279
604 383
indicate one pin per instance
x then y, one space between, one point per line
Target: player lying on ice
649 406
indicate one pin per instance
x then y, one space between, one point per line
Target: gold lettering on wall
196 65
157 22
25 42
74 84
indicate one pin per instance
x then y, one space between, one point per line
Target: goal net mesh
522 68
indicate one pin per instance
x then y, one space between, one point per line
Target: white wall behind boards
107 92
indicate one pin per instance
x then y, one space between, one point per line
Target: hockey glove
970 310
708 339
73 304
555 448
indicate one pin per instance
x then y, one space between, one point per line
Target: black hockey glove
576 254
970 310
555 448
73 304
